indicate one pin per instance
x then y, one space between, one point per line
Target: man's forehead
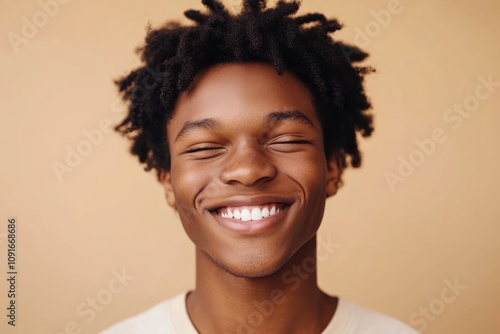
231 82
234 72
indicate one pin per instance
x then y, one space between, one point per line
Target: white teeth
256 214
246 215
265 212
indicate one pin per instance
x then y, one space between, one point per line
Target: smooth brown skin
242 155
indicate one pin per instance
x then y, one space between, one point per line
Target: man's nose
248 165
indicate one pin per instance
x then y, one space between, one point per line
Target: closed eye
200 149
204 151
292 145
293 142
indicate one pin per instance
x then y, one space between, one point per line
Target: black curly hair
173 54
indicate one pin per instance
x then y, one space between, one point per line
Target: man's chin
253 270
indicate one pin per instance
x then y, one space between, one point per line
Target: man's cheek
185 186
313 180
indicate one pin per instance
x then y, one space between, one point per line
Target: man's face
248 176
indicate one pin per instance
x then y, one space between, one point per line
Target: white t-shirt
171 317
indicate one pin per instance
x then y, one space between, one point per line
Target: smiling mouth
250 213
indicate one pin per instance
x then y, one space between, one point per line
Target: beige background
395 250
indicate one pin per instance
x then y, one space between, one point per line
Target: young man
248 121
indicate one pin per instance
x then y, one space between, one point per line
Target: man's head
174 54
249 121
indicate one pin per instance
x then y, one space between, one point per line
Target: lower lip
252 226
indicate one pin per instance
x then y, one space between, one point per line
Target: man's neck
287 301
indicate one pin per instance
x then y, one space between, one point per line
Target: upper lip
240 200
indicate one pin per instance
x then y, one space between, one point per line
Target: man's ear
166 180
334 171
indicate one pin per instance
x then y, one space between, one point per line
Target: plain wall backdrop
421 215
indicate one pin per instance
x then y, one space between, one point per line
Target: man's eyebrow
274 117
294 115
206 123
